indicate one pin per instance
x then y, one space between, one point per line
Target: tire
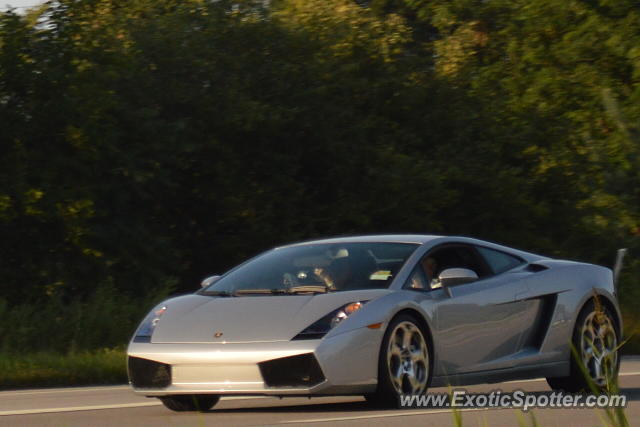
404 363
190 402
595 339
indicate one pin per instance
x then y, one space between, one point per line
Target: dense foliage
147 143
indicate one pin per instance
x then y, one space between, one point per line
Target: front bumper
346 364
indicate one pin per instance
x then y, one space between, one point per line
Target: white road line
78 408
621 374
523 381
126 387
387 415
83 390
410 413
156 403
65 390
113 406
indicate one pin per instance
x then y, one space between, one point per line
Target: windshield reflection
315 268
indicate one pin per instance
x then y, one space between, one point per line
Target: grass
70 342
48 369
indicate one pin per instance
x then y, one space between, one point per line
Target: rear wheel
404 366
595 339
190 402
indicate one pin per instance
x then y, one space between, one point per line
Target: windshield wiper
305 289
220 293
260 292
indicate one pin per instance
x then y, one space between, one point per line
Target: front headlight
328 322
145 330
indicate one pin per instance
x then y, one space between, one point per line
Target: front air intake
144 373
294 371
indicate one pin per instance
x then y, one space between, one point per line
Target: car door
478 324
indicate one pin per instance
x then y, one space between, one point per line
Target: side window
499 261
458 256
425 274
417 280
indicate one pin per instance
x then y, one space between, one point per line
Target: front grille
294 371
144 373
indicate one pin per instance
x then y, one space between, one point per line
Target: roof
377 238
419 239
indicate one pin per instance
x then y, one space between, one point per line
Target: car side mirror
208 281
456 276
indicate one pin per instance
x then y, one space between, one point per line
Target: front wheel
404 366
595 339
190 402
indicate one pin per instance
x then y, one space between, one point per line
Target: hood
246 319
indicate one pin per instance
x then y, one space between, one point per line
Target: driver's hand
324 276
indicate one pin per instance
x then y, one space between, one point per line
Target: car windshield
315 268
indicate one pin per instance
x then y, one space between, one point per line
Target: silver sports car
379 316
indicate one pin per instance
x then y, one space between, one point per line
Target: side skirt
555 369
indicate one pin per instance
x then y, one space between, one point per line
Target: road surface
118 406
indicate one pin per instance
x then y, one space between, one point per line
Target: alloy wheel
599 347
408 359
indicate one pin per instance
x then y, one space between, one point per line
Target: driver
348 270
431 267
336 275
